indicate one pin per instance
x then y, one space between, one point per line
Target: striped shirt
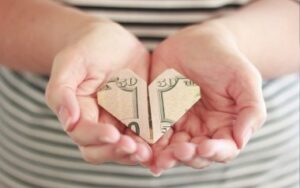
36 152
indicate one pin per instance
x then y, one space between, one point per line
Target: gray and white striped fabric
35 151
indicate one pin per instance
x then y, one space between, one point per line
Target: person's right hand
91 56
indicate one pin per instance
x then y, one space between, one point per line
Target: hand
231 108
91 56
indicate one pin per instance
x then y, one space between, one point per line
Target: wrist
80 28
222 28
224 43
218 29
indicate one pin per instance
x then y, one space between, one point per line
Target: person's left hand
231 107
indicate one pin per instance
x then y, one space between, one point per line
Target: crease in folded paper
148 111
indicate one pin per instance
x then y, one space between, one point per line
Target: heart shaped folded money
148 111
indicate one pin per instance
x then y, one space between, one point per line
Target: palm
209 123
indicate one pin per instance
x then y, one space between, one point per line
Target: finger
91 84
220 148
125 146
98 154
198 163
217 150
109 152
164 140
61 90
105 153
127 161
106 117
184 151
199 139
156 171
165 160
180 137
87 133
143 154
160 145
89 109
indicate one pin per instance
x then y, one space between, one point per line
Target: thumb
248 121
68 72
251 111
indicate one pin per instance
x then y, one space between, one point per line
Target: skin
100 137
216 129
231 109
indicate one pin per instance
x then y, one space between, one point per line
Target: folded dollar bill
148 111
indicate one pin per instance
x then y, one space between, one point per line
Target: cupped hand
93 53
231 108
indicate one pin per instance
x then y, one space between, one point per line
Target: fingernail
63 117
156 172
247 136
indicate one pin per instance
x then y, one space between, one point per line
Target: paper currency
148 112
